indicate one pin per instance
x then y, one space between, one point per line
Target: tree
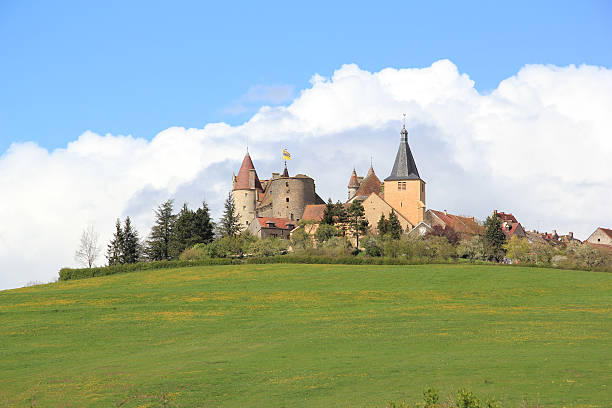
383 225
329 213
517 248
115 247
88 250
183 233
203 225
229 225
300 240
325 232
394 227
358 224
448 233
130 248
158 244
341 216
494 238
471 249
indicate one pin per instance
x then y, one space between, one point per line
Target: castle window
244 207
401 185
286 184
291 216
287 199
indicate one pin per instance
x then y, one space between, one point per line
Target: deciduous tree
88 250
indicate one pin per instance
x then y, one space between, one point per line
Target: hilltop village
273 207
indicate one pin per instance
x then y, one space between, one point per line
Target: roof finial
247 143
371 161
404 121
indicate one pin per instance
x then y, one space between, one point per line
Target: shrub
517 249
471 249
440 248
268 247
198 251
300 240
371 246
466 399
325 232
335 246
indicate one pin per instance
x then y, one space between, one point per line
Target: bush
268 247
471 249
325 232
198 251
335 246
440 248
371 246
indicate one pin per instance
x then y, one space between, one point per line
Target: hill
308 335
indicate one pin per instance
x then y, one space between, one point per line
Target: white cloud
258 94
539 145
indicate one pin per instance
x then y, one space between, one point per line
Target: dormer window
271 224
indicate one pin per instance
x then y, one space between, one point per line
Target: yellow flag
286 155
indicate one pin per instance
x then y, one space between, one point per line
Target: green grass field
309 335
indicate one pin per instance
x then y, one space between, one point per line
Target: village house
601 236
265 227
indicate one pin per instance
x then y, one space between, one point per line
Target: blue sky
139 67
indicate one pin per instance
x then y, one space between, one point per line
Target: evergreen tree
229 225
115 247
328 214
130 248
394 227
357 221
383 225
183 232
203 225
494 238
158 244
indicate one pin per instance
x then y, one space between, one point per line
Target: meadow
309 335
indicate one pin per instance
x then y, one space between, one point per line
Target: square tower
404 189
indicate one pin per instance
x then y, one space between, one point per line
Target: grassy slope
308 335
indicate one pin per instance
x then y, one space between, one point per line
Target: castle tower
403 189
353 184
246 191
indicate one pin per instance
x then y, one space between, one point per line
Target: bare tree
88 249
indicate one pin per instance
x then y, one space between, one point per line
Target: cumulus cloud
258 94
539 146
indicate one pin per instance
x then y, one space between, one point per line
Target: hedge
70 273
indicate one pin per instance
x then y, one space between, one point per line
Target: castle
273 207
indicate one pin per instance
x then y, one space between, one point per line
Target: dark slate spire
404 168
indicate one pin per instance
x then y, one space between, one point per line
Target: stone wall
410 202
288 196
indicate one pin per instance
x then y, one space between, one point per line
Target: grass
309 335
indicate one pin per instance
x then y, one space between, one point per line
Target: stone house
264 227
601 236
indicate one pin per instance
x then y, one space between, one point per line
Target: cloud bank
540 146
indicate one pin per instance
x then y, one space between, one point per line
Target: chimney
494 212
275 176
445 213
554 232
571 235
252 179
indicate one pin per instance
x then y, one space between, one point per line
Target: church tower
403 189
246 191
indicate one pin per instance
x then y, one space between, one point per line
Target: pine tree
114 249
494 238
394 227
158 244
328 214
183 233
383 225
130 252
229 225
203 225
357 222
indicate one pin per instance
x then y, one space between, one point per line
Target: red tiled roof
506 216
370 184
313 212
353 183
606 231
278 222
242 179
459 224
513 226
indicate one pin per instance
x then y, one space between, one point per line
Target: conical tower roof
370 184
353 182
404 167
242 179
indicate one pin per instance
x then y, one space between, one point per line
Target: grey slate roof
404 168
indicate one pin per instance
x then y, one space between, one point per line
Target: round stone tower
246 191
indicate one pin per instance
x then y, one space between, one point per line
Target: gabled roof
281 223
370 184
353 182
313 212
242 179
506 216
460 224
606 231
404 167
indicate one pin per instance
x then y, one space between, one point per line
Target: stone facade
286 197
407 197
374 206
601 236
